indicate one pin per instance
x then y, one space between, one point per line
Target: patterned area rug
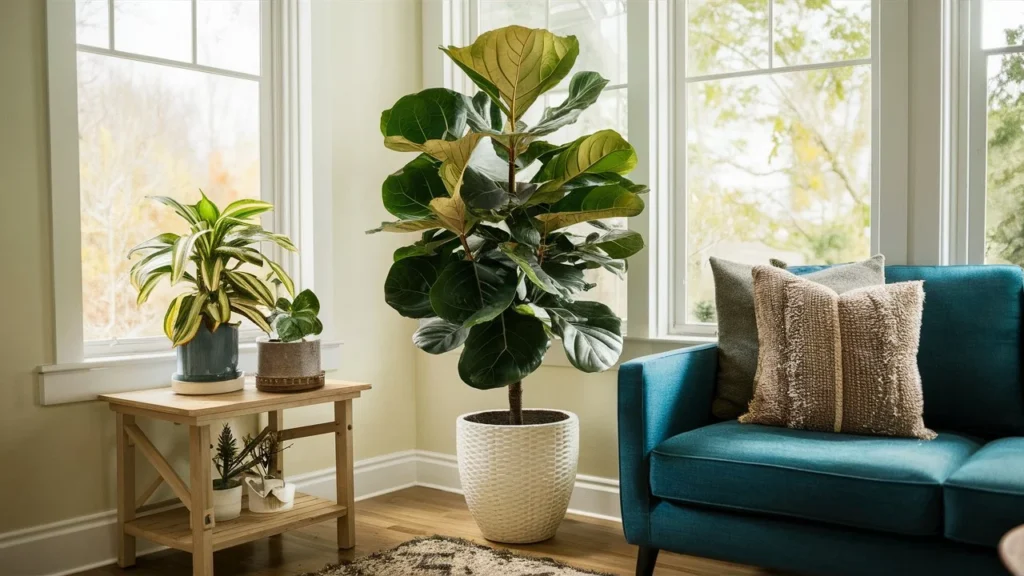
441 556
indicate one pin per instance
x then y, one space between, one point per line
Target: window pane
815 32
601 30
726 36
152 130
608 112
161 28
777 167
229 34
92 23
1004 190
500 13
1002 23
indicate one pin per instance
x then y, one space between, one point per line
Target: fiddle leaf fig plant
508 222
209 257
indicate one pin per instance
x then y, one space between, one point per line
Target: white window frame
295 156
971 150
656 41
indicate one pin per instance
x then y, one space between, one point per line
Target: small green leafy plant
296 319
231 463
209 257
497 268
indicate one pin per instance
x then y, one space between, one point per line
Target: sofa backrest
970 354
971 342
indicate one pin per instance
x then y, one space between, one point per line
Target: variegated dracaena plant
497 267
210 257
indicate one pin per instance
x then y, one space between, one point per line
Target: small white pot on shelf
227 503
270 495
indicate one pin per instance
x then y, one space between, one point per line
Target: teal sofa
818 503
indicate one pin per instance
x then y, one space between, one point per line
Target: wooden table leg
125 490
201 493
343 473
275 420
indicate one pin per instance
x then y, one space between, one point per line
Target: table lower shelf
171 527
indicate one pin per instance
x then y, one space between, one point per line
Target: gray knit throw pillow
837 363
737 328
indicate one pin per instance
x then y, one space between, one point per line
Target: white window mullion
110 24
977 105
195 32
64 178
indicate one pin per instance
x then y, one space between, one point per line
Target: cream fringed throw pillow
837 363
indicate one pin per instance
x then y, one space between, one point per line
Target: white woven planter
518 479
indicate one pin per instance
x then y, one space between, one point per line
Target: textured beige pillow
837 363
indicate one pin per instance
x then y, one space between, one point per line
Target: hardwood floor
388 520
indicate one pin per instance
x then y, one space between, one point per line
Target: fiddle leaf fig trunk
509 225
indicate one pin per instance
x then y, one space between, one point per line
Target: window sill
83 381
633 347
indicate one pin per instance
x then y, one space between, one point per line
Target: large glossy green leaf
502 351
407 287
583 204
407 193
413 225
598 259
584 89
443 244
433 114
554 279
437 336
591 334
524 229
516 65
469 292
620 243
603 151
484 115
480 192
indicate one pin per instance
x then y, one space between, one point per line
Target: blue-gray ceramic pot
210 356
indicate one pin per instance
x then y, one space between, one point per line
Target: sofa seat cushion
985 497
888 484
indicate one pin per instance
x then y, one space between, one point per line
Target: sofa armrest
659 396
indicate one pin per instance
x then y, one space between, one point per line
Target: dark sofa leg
645 559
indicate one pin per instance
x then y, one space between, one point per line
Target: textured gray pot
288 366
210 356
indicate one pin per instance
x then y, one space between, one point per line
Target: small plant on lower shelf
268 494
231 463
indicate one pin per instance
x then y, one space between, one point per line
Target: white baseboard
77 544
593 496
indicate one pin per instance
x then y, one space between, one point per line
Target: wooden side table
192 528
